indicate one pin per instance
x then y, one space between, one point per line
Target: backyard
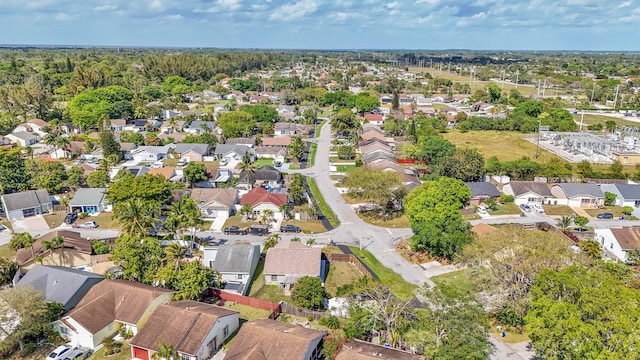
393 280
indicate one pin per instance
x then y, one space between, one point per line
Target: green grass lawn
615 210
248 313
7 252
312 154
324 207
506 209
344 168
55 219
104 220
264 161
557 210
461 280
257 281
318 128
602 119
394 281
294 166
341 273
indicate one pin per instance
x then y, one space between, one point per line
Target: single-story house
215 203
374 119
528 192
250 142
235 263
577 194
377 154
118 124
626 194
363 350
60 284
89 200
272 339
17 206
223 176
482 190
35 126
167 172
261 199
195 330
23 138
287 128
266 176
108 306
199 127
275 153
76 251
191 152
288 261
375 146
619 241
282 141
151 153
231 152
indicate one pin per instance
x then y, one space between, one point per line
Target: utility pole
615 99
517 74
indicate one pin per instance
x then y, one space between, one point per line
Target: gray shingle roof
579 189
523 187
197 148
482 188
26 200
263 173
629 191
235 258
24 135
88 196
60 284
224 149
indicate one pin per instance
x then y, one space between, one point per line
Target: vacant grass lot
602 119
558 210
394 281
341 273
506 209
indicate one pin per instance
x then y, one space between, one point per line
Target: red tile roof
259 196
373 117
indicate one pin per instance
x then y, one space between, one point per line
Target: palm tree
186 215
165 352
58 243
52 245
564 222
174 253
284 209
136 216
268 215
246 209
27 240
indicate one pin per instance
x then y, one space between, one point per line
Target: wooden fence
249 301
350 258
292 310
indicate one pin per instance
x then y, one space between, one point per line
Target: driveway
34 225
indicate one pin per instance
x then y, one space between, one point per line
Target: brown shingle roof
284 140
361 350
72 240
226 197
293 258
628 237
182 324
266 339
166 172
38 122
110 300
259 196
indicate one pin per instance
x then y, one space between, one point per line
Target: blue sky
320 24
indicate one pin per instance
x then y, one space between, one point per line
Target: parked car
75 354
89 225
260 230
60 352
290 228
482 210
525 207
605 216
70 218
182 162
234 230
538 208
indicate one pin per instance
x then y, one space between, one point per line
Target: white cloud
625 4
392 5
105 7
294 11
62 16
175 17
229 4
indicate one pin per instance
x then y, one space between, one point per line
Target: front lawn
104 220
308 226
55 219
615 210
388 277
264 161
557 210
461 280
294 166
344 168
506 209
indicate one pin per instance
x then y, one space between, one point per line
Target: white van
182 162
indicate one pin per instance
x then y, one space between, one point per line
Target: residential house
619 241
272 339
167 172
108 306
374 119
281 142
284 110
266 176
270 152
288 128
127 148
136 171
261 199
374 146
89 200
23 138
409 178
626 194
223 176
33 126
577 194
376 155
386 100
151 153
191 152
173 127
231 152
195 330
362 350
168 114
250 142
118 124
528 192
73 149
215 203
288 261
17 206
405 100
198 127
60 284
236 264
481 191
75 251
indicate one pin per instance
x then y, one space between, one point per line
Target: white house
17 206
577 194
619 241
23 138
151 153
626 194
33 126
528 192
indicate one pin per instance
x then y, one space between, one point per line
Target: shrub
125 332
83 215
111 347
627 210
28 349
504 198
492 204
331 322
508 316
580 220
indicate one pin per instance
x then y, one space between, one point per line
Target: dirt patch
416 257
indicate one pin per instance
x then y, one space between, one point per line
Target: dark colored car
234 230
605 216
260 230
290 228
71 218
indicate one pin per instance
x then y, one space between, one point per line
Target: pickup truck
234 230
290 228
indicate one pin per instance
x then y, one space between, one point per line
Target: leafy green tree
345 152
434 149
340 99
585 170
75 178
49 175
609 198
465 164
310 116
165 352
297 190
31 307
87 109
99 247
494 92
136 216
98 178
373 185
193 279
132 137
296 147
139 258
236 124
366 103
203 138
564 222
308 293
13 171
591 248
616 170
149 188
580 313
171 82
195 172
345 121
433 212
581 220
8 270
187 215
261 113
627 210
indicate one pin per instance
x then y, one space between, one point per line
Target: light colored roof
166 171
270 150
266 339
523 187
182 324
579 189
153 149
223 149
23 135
197 148
38 122
362 350
627 237
110 300
60 284
226 197
26 200
277 141
235 258
88 196
293 258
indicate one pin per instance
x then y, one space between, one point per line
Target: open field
602 119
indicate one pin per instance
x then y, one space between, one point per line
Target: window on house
64 330
212 345
611 246
225 331
185 356
211 263
239 276
274 277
